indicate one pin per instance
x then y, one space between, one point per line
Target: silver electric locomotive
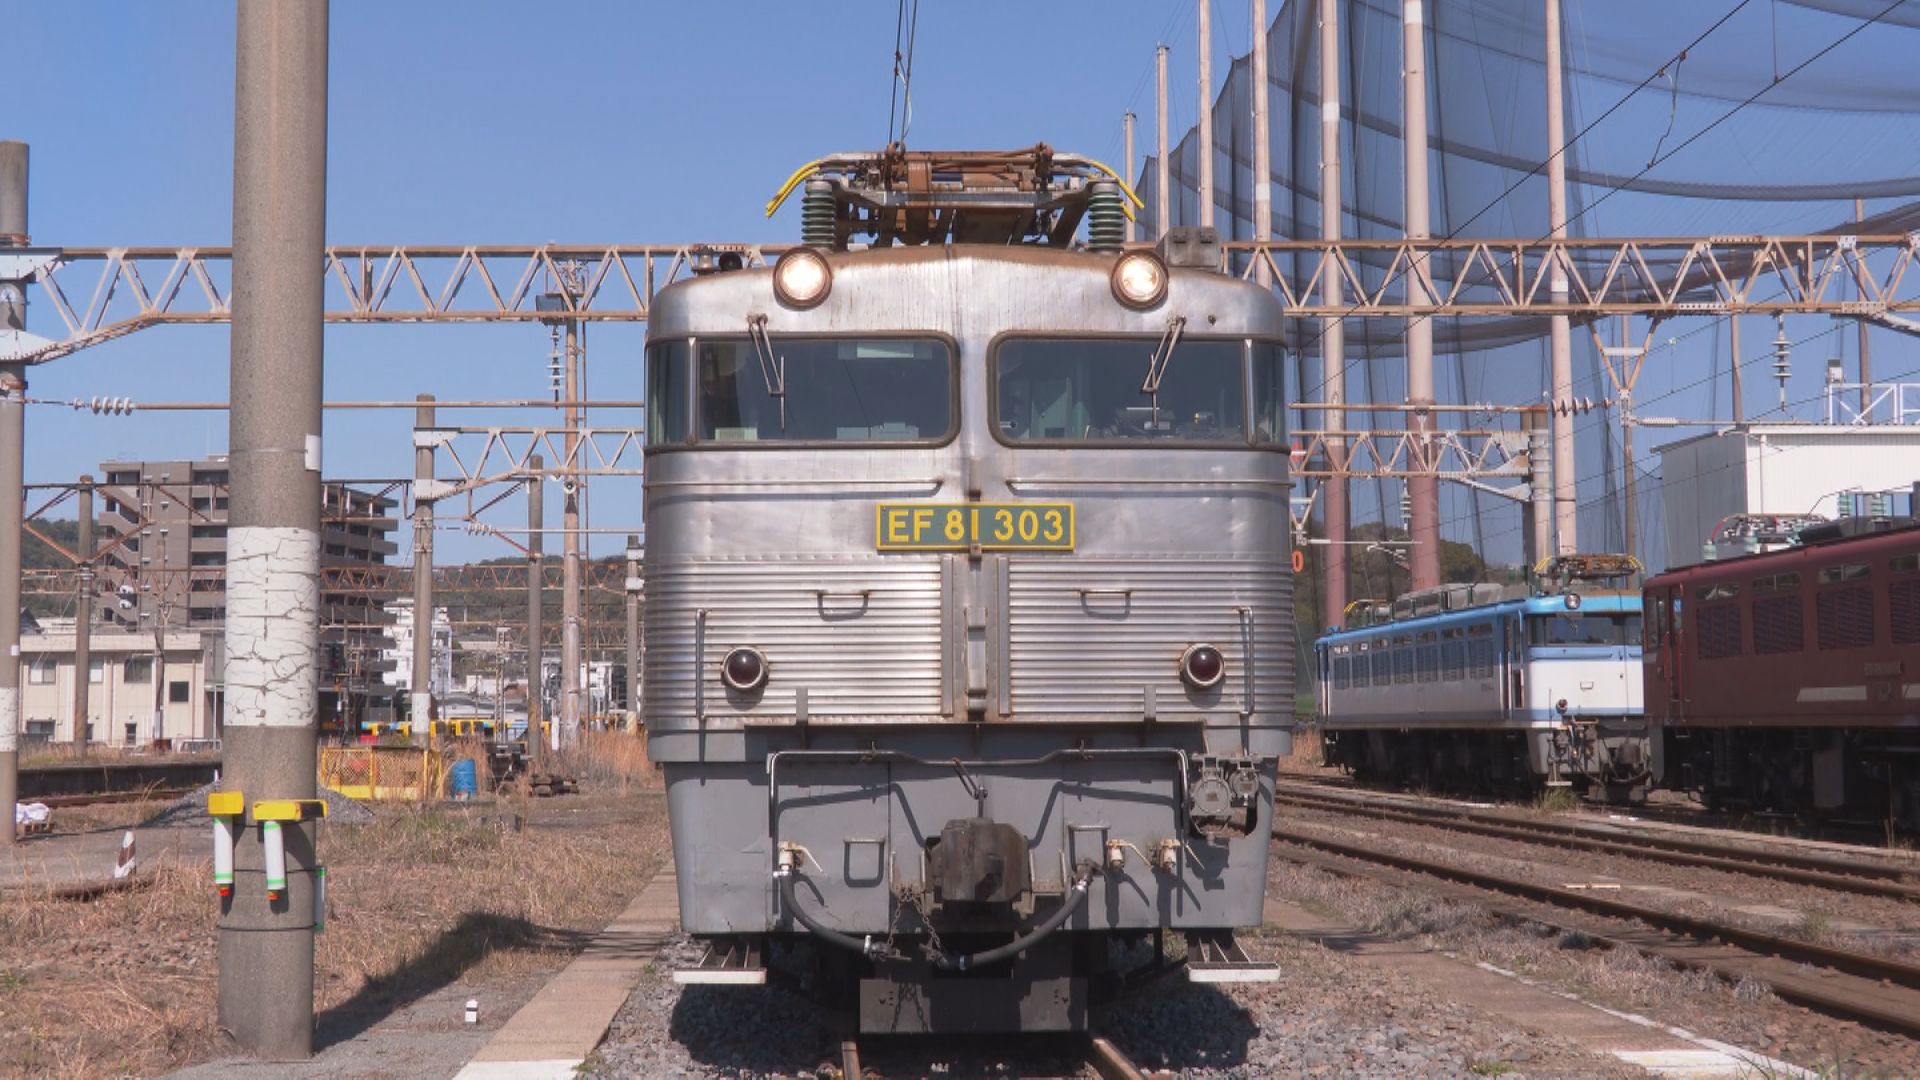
969 634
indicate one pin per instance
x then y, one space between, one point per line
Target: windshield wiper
1157 363
773 368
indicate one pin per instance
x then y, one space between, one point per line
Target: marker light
1573 601
744 669
1202 666
801 279
1139 280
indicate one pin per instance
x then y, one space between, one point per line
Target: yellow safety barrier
403 773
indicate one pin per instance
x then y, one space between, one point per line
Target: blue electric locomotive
1519 687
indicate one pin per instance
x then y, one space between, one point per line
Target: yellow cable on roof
799 176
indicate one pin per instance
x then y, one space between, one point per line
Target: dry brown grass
1307 752
126 984
616 761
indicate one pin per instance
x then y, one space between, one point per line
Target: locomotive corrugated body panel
1088 635
863 635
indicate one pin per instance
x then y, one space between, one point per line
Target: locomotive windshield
1584 628
817 390
1065 390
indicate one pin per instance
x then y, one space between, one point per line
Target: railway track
1880 991
1837 873
1102 1059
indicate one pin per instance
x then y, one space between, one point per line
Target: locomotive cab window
1136 389
1583 628
801 390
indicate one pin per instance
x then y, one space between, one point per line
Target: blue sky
494 122
511 123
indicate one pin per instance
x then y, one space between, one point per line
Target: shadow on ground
469 941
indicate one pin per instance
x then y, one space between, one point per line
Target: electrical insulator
111 406
1406 505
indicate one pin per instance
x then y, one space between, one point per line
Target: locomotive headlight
1573 601
1202 666
744 669
1139 280
801 279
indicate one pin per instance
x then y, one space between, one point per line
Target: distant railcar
1479 686
969 625
1789 681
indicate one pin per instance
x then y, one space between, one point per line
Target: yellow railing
383 772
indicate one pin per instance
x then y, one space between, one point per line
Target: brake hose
964 961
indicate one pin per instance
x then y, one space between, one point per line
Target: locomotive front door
1667 627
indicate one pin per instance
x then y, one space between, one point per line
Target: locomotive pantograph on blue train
1508 686
969 634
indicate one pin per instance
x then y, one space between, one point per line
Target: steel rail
1890 1008
1805 861
1842 875
1848 961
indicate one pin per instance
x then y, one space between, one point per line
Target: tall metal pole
1630 484
1262 146
1333 334
13 449
634 585
1739 395
1127 170
273 537
420 700
1866 355
1205 124
569 726
1423 492
1163 172
536 612
83 619
1560 335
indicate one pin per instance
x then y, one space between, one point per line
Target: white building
440 678
121 698
1781 468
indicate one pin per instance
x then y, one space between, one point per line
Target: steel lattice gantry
104 293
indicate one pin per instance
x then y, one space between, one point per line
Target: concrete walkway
553 1033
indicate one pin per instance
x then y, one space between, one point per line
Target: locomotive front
969 630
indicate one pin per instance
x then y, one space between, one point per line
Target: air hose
1075 897
865 946
945 961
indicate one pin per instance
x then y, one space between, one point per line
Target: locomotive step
726 963
1218 958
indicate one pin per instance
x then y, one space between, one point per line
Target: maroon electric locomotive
1790 681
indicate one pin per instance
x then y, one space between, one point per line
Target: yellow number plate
959 527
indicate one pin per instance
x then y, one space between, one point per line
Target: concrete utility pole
13 450
1204 126
1866 356
536 612
273 539
1423 492
634 585
1566 517
83 619
569 726
1539 490
1127 170
1262 145
1163 172
420 701
1333 333
1630 483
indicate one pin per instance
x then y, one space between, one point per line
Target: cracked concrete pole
13 449
273 545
